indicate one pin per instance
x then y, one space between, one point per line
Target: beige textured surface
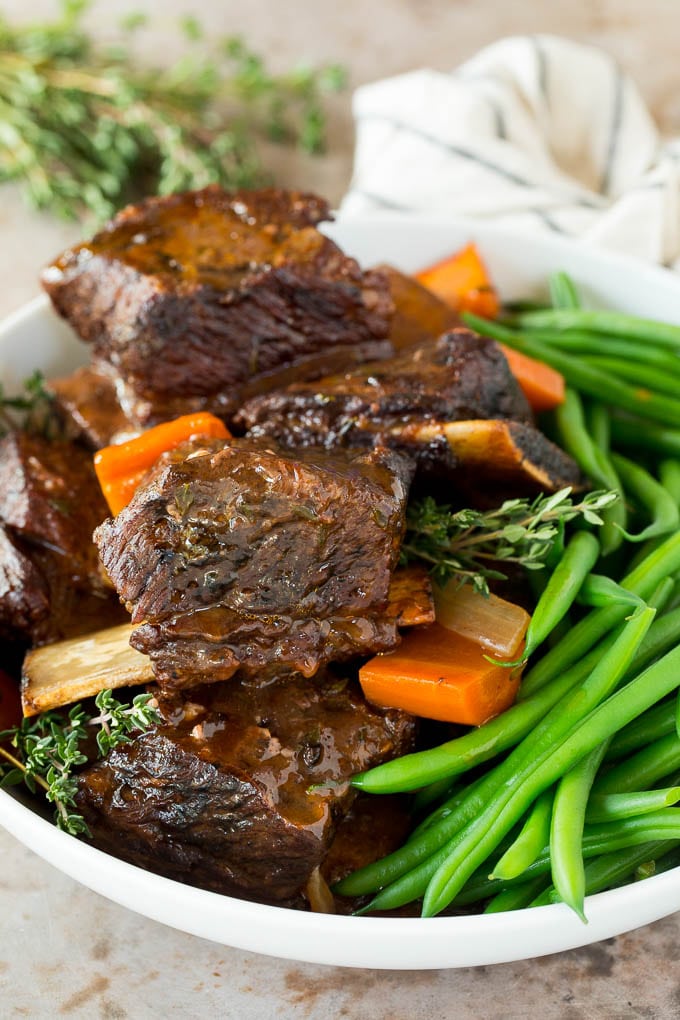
65 951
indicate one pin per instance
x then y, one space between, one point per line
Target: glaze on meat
238 554
193 301
243 788
50 503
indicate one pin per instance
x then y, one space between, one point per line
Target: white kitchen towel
535 132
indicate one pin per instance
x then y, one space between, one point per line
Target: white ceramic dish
34 338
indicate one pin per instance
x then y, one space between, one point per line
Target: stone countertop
66 951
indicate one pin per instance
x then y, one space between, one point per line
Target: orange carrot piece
542 385
437 674
461 280
121 468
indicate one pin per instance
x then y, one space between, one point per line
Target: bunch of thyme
48 748
470 544
83 127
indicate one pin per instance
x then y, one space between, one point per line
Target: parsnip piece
66 671
505 450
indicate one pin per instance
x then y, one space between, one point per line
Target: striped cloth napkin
536 132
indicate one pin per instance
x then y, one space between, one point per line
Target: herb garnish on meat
50 746
471 544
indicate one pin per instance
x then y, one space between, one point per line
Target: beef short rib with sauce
237 554
241 791
50 503
459 376
192 301
408 402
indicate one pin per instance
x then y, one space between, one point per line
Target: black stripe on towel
384 203
614 130
462 153
541 66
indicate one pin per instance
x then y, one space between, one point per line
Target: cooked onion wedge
62 673
505 451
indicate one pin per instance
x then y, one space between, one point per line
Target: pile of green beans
573 789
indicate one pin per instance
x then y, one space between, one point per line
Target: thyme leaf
473 544
47 749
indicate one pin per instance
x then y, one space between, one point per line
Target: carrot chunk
121 468
461 280
438 674
542 385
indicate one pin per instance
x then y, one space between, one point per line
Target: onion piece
497 625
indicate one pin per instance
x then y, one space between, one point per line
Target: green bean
630 432
566 830
660 380
574 437
610 807
657 722
516 897
599 590
563 293
412 865
653 763
576 440
473 844
662 334
658 565
669 475
650 494
609 869
470 841
598 426
581 376
622 348
413 771
604 858
578 559
533 836
443 810
537 581
430 794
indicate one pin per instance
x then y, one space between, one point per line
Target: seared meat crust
50 503
197 299
459 376
241 791
237 554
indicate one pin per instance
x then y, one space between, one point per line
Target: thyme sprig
50 746
84 127
470 544
31 411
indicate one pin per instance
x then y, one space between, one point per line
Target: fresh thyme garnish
50 746
30 411
81 126
469 544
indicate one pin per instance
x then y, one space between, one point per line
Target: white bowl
35 338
